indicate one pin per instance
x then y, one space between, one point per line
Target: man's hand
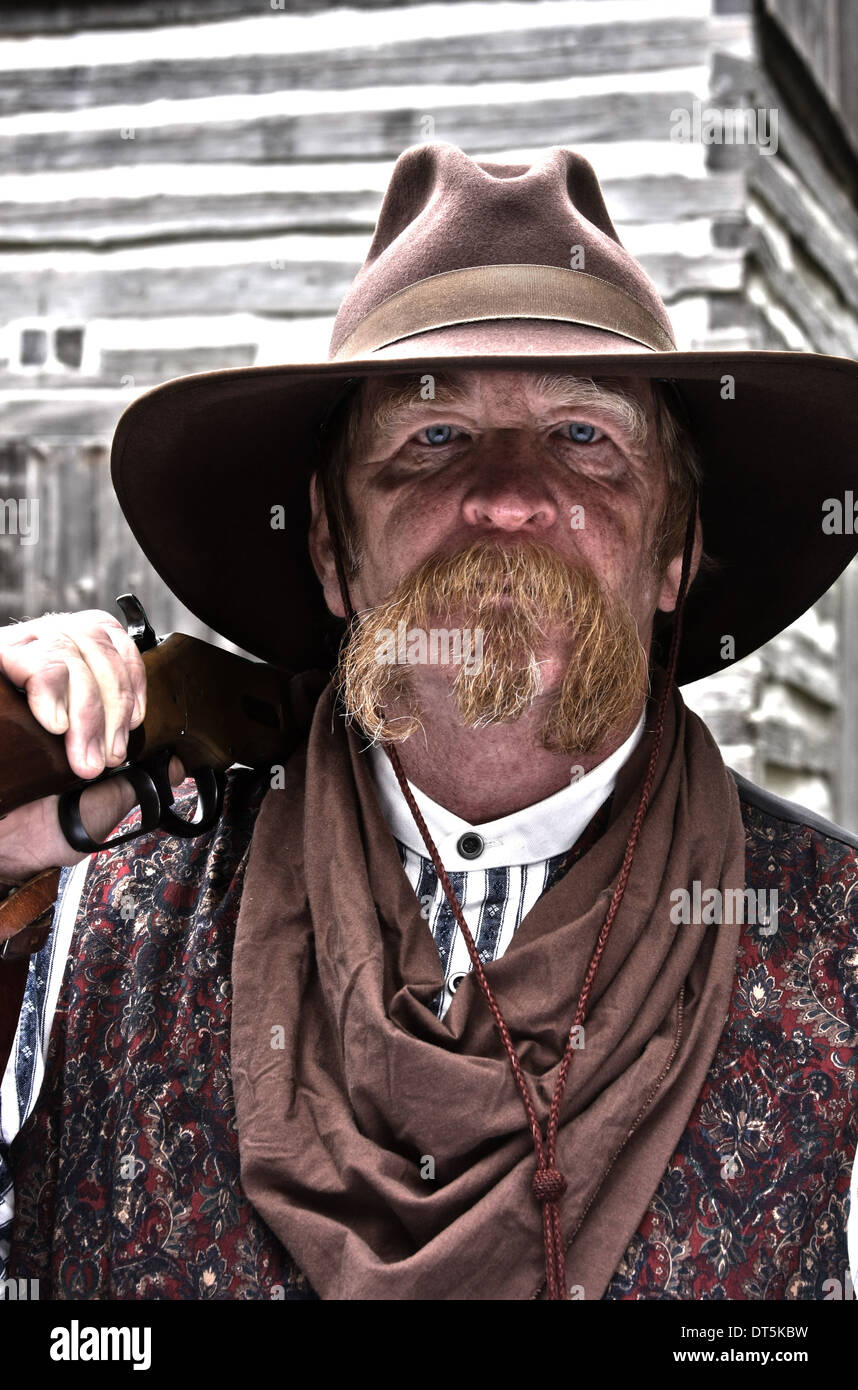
83 677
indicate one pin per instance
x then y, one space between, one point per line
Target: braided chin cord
548 1184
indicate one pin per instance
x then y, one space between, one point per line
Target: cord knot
548 1184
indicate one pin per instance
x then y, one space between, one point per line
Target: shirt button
454 982
470 845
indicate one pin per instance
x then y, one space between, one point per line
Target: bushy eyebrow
577 393
398 402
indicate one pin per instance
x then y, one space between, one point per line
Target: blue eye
438 434
580 433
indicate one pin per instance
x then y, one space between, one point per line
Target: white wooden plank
383 131
430 98
525 53
288 33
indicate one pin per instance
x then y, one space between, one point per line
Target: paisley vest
126 1174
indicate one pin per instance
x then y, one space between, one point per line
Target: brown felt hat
470 266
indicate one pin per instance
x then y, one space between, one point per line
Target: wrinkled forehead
474 384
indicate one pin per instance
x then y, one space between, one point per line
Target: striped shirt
498 869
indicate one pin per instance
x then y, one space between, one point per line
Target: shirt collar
530 836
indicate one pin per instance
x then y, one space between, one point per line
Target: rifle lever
150 780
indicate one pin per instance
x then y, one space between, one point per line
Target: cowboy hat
470 267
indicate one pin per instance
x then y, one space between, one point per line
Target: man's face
506 458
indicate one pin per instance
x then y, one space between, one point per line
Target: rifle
208 706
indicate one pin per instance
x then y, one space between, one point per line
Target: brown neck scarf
388 1149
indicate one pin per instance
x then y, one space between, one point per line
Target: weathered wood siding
789 714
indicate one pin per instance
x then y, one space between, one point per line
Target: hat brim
199 462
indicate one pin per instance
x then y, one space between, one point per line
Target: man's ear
673 575
321 550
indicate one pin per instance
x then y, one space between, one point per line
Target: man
583 1025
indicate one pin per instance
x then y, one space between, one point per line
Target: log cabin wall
788 715
193 185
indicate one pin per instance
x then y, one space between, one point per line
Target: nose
508 486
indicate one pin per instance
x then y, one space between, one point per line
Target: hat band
503 292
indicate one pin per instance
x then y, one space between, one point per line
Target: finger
85 742
102 807
98 644
21 661
134 668
43 669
